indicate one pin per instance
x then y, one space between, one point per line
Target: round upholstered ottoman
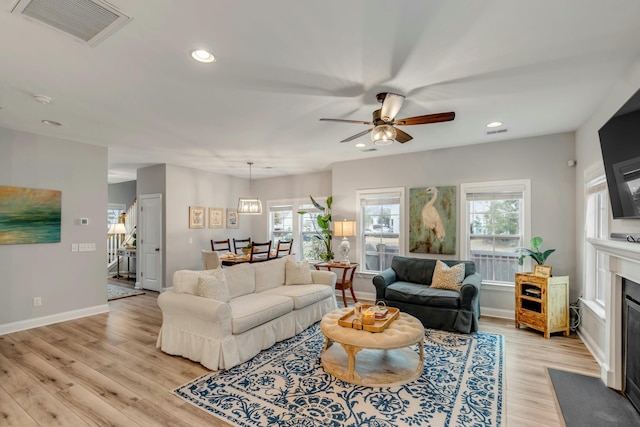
373 359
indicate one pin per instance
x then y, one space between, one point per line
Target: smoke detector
88 21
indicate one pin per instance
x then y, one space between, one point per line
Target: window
281 222
495 220
381 213
312 247
596 227
285 224
114 212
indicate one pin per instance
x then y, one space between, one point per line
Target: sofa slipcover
262 311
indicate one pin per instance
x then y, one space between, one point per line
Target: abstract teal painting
29 215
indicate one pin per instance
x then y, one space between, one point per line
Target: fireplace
631 338
621 264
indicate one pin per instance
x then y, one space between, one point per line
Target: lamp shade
344 228
249 206
383 134
118 228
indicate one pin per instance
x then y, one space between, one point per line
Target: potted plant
535 252
247 249
323 227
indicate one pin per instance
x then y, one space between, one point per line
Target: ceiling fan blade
402 136
346 121
357 135
428 118
390 106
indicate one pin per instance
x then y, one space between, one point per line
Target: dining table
230 258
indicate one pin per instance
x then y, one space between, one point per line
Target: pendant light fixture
249 205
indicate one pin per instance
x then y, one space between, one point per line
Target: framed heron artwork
432 220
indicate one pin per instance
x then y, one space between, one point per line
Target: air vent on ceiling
493 132
89 21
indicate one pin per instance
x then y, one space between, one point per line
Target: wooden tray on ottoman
350 320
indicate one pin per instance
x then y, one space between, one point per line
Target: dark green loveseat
406 286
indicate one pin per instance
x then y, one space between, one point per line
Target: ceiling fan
384 132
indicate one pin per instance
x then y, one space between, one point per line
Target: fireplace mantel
619 248
623 260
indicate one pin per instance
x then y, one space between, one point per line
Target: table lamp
344 229
118 229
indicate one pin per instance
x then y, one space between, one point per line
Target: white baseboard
591 345
54 318
497 312
365 296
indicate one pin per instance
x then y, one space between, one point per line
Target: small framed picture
232 218
196 217
216 217
542 270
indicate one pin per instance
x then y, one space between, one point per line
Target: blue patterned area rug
461 385
116 292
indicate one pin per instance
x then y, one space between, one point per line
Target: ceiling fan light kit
384 132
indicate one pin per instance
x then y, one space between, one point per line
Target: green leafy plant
535 252
322 227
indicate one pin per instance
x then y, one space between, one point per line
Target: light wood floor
106 370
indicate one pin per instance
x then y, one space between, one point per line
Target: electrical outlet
74 247
37 301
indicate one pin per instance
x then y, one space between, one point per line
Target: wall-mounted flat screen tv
620 145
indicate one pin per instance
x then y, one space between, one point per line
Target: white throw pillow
186 281
241 279
297 274
269 274
445 277
214 286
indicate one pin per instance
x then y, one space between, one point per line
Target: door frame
141 257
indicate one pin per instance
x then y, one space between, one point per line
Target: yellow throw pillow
445 277
297 274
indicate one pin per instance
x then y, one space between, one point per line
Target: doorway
150 257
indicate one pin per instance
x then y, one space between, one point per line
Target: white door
150 242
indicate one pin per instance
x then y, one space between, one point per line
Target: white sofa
261 311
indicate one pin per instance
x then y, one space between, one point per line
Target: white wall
70 284
123 192
190 187
542 159
588 153
287 188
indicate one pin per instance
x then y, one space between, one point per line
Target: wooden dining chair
238 244
260 252
221 245
284 248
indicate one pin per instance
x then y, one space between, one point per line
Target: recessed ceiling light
202 55
51 123
494 124
360 145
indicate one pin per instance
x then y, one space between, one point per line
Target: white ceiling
539 66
